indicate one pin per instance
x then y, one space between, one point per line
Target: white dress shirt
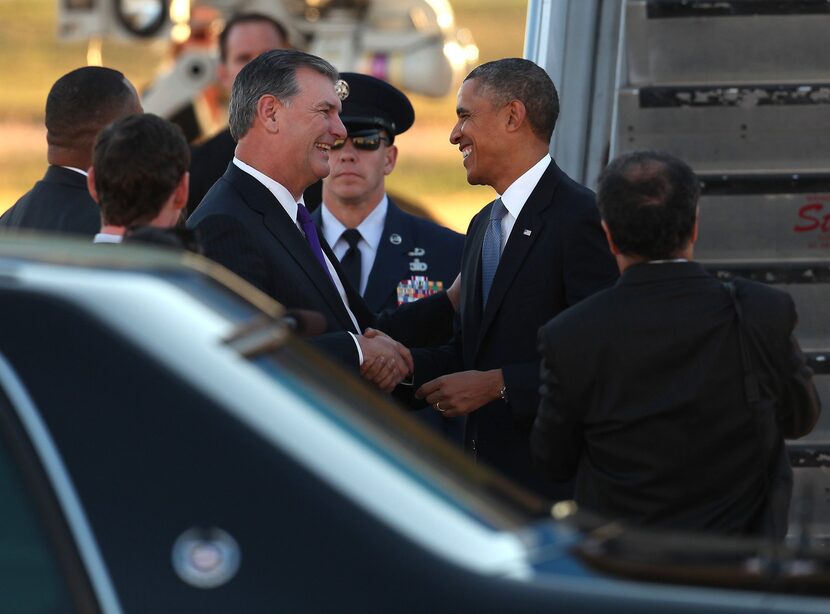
77 170
286 200
371 232
516 195
105 237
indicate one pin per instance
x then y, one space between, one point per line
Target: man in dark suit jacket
543 251
644 394
79 104
284 113
391 257
244 37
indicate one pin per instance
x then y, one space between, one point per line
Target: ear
515 115
390 159
90 184
611 245
267 112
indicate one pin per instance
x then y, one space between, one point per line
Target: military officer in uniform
390 256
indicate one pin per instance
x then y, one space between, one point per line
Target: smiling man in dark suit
78 106
284 114
531 253
646 394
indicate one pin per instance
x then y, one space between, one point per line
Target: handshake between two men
386 362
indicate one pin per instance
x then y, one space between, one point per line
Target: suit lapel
526 231
285 230
390 259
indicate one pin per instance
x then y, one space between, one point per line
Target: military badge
416 287
341 88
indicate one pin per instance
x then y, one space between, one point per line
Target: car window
387 429
30 579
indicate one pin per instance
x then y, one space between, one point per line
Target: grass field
31 58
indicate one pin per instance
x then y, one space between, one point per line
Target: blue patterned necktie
310 231
491 249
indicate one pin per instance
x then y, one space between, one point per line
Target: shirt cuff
359 351
409 381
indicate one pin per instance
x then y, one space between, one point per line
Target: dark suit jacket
643 398
556 256
60 202
243 227
208 162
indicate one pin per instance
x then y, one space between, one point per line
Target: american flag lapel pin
527 232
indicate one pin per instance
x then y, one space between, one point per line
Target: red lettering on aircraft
812 219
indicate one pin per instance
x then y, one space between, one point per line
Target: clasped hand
386 363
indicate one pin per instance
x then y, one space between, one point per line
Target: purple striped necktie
310 231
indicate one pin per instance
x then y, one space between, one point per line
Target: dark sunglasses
367 140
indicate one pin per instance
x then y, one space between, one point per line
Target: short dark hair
241 18
138 162
82 102
275 73
519 79
648 200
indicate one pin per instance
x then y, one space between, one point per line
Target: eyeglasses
367 140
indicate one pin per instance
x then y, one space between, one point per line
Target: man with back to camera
138 175
244 37
79 104
644 393
528 255
390 256
284 114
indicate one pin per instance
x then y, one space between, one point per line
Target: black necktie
351 259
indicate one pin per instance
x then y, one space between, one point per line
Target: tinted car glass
30 578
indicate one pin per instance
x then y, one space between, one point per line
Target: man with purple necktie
284 115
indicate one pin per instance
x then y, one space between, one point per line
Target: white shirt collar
77 170
104 237
516 195
279 191
371 228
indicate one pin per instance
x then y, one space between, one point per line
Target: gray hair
519 79
275 73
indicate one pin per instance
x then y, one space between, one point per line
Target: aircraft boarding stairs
741 91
